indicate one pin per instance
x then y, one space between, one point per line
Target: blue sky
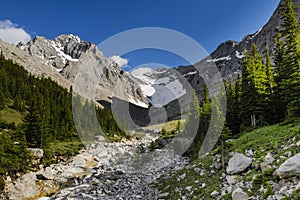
209 22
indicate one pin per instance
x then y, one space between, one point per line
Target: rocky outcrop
290 168
32 64
238 163
67 57
228 55
86 67
239 194
29 187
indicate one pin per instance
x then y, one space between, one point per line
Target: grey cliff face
70 56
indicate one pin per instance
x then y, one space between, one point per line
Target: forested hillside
37 113
266 93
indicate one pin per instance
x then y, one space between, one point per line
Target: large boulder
47 173
29 187
24 188
290 168
238 163
239 194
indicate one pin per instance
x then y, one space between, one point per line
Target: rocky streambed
122 170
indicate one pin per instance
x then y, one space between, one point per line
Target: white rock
268 160
44 198
197 170
182 176
162 195
24 188
283 190
288 154
214 194
238 163
100 138
47 173
189 188
239 194
290 168
231 180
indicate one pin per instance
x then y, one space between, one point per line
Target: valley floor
261 164
119 170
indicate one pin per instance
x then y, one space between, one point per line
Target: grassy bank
202 177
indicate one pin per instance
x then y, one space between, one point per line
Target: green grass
137 134
9 115
169 126
268 138
58 149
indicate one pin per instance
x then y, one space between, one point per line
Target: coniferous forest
37 113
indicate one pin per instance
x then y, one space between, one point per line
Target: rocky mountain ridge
70 61
228 55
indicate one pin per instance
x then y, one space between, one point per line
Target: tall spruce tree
248 93
256 89
278 98
287 63
33 126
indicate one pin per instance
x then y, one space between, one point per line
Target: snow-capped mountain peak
70 56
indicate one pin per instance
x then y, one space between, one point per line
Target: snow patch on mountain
60 51
137 102
220 59
190 73
146 79
159 90
239 55
122 62
166 92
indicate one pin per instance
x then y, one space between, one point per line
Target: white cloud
122 62
11 33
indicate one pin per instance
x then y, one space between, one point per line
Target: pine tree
248 93
192 121
230 113
287 60
236 106
225 135
2 100
33 126
270 73
255 90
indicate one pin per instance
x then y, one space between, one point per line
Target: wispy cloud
12 33
122 62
